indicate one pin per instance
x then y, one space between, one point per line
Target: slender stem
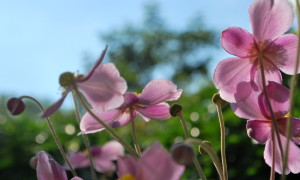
272 173
293 85
213 155
274 122
56 139
85 138
222 128
107 127
187 135
134 136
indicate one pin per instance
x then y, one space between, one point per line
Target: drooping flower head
155 163
103 157
269 20
103 87
149 105
254 107
48 169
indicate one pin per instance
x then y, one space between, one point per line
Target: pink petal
156 163
282 52
127 165
295 127
238 42
103 164
98 62
271 72
159 90
56 105
78 160
293 158
260 130
156 112
112 150
228 74
269 19
49 169
246 105
279 99
76 178
105 88
89 125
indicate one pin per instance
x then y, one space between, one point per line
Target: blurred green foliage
142 53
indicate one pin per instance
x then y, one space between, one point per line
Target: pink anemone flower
254 107
269 20
103 87
155 163
149 105
48 169
103 157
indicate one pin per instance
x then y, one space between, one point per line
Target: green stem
187 135
222 128
56 139
293 85
213 155
107 127
134 136
274 122
85 139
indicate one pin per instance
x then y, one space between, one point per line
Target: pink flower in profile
269 20
149 105
155 163
103 87
48 169
259 126
103 157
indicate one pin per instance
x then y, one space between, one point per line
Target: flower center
127 177
66 79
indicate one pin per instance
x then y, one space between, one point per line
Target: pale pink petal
159 90
129 100
293 158
279 99
78 160
282 52
156 163
269 19
295 127
112 150
89 125
98 62
76 178
103 164
238 42
105 88
228 74
49 169
56 105
127 165
271 72
246 105
260 130
155 112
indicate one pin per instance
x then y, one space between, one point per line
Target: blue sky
39 40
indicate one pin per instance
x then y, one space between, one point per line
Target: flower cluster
241 79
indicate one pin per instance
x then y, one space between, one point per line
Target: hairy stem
134 137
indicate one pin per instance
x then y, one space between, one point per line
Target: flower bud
217 99
182 153
201 150
33 162
15 106
175 109
66 79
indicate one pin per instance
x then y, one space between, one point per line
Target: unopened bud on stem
217 99
15 106
182 153
175 109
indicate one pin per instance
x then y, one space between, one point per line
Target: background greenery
142 53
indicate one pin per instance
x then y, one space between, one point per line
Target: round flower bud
66 79
217 99
182 153
175 109
201 150
15 106
33 162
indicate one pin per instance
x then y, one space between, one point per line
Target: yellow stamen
127 177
